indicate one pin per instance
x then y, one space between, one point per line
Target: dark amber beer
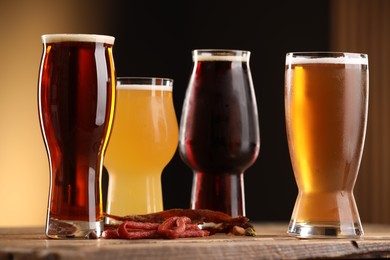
326 102
219 132
76 105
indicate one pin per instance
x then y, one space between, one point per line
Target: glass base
324 230
110 221
219 192
71 229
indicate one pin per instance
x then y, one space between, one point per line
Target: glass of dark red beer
76 96
219 130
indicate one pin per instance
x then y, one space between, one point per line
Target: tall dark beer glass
219 130
76 94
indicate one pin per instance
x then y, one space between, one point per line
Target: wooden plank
272 242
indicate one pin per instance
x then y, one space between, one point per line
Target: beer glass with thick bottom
326 103
219 130
76 94
144 139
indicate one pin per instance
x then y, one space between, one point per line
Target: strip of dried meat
214 221
171 228
196 216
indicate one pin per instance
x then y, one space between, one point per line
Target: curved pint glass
76 95
219 130
144 139
326 105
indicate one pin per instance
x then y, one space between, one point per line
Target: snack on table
176 223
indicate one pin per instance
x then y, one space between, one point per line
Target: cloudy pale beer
326 102
76 105
143 140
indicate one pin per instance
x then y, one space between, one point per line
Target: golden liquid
143 140
326 114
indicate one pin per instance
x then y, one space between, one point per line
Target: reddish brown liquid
220 134
76 98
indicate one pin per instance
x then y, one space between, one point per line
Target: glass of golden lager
143 140
326 105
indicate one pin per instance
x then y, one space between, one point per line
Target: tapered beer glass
76 94
326 103
143 141
219 129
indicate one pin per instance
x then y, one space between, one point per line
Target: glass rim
326 56
154 81
221 51
325 53
220 55
77 37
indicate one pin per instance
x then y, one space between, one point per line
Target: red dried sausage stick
173 223
173 227
192 227
136 234
141 225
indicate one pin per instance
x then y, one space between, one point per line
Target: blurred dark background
155 38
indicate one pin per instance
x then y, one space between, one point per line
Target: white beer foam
50 38
220 58
355 59
143 87
220 55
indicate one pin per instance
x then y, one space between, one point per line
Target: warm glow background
24 174
364 26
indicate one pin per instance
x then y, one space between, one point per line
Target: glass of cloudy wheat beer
326 103
144 139
219 129
76 94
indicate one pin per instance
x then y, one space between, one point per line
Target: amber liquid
326 115
144 138
76 105
219 136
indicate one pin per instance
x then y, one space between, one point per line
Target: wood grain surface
271 242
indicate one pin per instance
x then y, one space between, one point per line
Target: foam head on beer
144 87
221 55
51 38
344 58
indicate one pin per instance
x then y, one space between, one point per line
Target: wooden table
271 242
